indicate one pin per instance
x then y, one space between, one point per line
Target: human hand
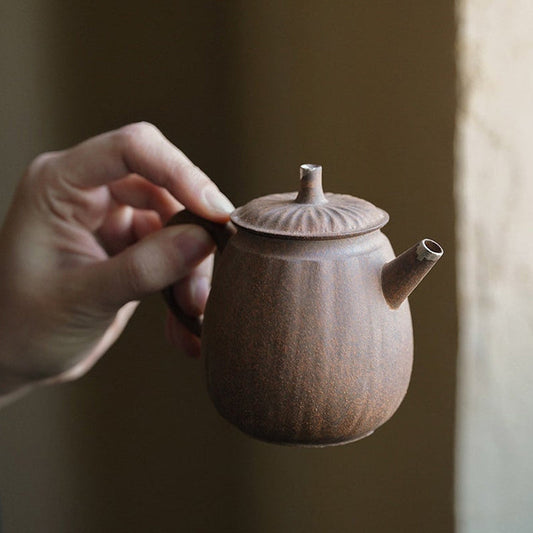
83 241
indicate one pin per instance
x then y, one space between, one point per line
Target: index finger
142 149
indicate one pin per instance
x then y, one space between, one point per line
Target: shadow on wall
250 92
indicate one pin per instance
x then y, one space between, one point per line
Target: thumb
150 265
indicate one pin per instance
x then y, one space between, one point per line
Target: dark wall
250 92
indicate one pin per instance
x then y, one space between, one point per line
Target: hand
83 242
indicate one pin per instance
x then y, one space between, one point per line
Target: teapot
307 333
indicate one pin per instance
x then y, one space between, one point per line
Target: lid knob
311 185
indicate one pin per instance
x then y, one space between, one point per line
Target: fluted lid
310 214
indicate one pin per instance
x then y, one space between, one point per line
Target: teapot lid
310 214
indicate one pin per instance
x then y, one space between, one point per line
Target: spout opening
309 167
429 250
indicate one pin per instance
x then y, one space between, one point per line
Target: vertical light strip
494 194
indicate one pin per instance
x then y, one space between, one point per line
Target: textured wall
37 468
495 196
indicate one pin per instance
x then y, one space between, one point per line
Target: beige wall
249 92
495 194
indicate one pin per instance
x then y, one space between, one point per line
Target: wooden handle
220 233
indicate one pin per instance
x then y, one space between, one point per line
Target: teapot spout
400 276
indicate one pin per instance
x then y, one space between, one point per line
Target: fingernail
200 288
217 201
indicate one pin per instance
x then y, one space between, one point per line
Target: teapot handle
220 233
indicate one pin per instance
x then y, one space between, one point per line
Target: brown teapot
307 332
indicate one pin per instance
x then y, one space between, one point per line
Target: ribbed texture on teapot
310 214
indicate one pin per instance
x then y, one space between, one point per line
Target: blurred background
249 91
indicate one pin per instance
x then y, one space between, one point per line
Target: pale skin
84 240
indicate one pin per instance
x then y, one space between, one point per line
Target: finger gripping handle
220 233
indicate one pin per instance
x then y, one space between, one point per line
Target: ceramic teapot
307 333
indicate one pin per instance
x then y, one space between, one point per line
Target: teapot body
300 344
